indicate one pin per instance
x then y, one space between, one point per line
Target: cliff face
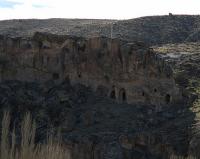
111 98
185 60
127 72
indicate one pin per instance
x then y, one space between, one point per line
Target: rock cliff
127 72
112 98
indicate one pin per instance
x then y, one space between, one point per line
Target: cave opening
55 76
143 94
167 99
113 94
79 75
122 95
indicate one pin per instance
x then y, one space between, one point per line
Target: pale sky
98 9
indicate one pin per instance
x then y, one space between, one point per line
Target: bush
27 148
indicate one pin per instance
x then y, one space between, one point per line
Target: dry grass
27 149
178 157
189 47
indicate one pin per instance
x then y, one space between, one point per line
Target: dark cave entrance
79 75
55 76
167 99
143 93
122 95
113 94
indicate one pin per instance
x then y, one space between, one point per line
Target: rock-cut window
55 76
122 95
112 94
167 99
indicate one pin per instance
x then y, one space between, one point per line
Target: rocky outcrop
127 72
95 127
111 98
185 60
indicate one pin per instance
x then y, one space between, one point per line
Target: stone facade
126 72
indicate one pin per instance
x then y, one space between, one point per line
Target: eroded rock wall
127 72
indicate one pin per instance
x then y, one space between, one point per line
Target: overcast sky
99 9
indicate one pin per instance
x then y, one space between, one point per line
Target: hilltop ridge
151 29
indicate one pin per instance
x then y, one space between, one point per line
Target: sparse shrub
179 157
27 148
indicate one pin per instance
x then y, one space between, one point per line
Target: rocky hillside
151 30
26 28
41 72
185 60
94 125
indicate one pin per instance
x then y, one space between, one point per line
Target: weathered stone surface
97 126
111 98
185 59
129 72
